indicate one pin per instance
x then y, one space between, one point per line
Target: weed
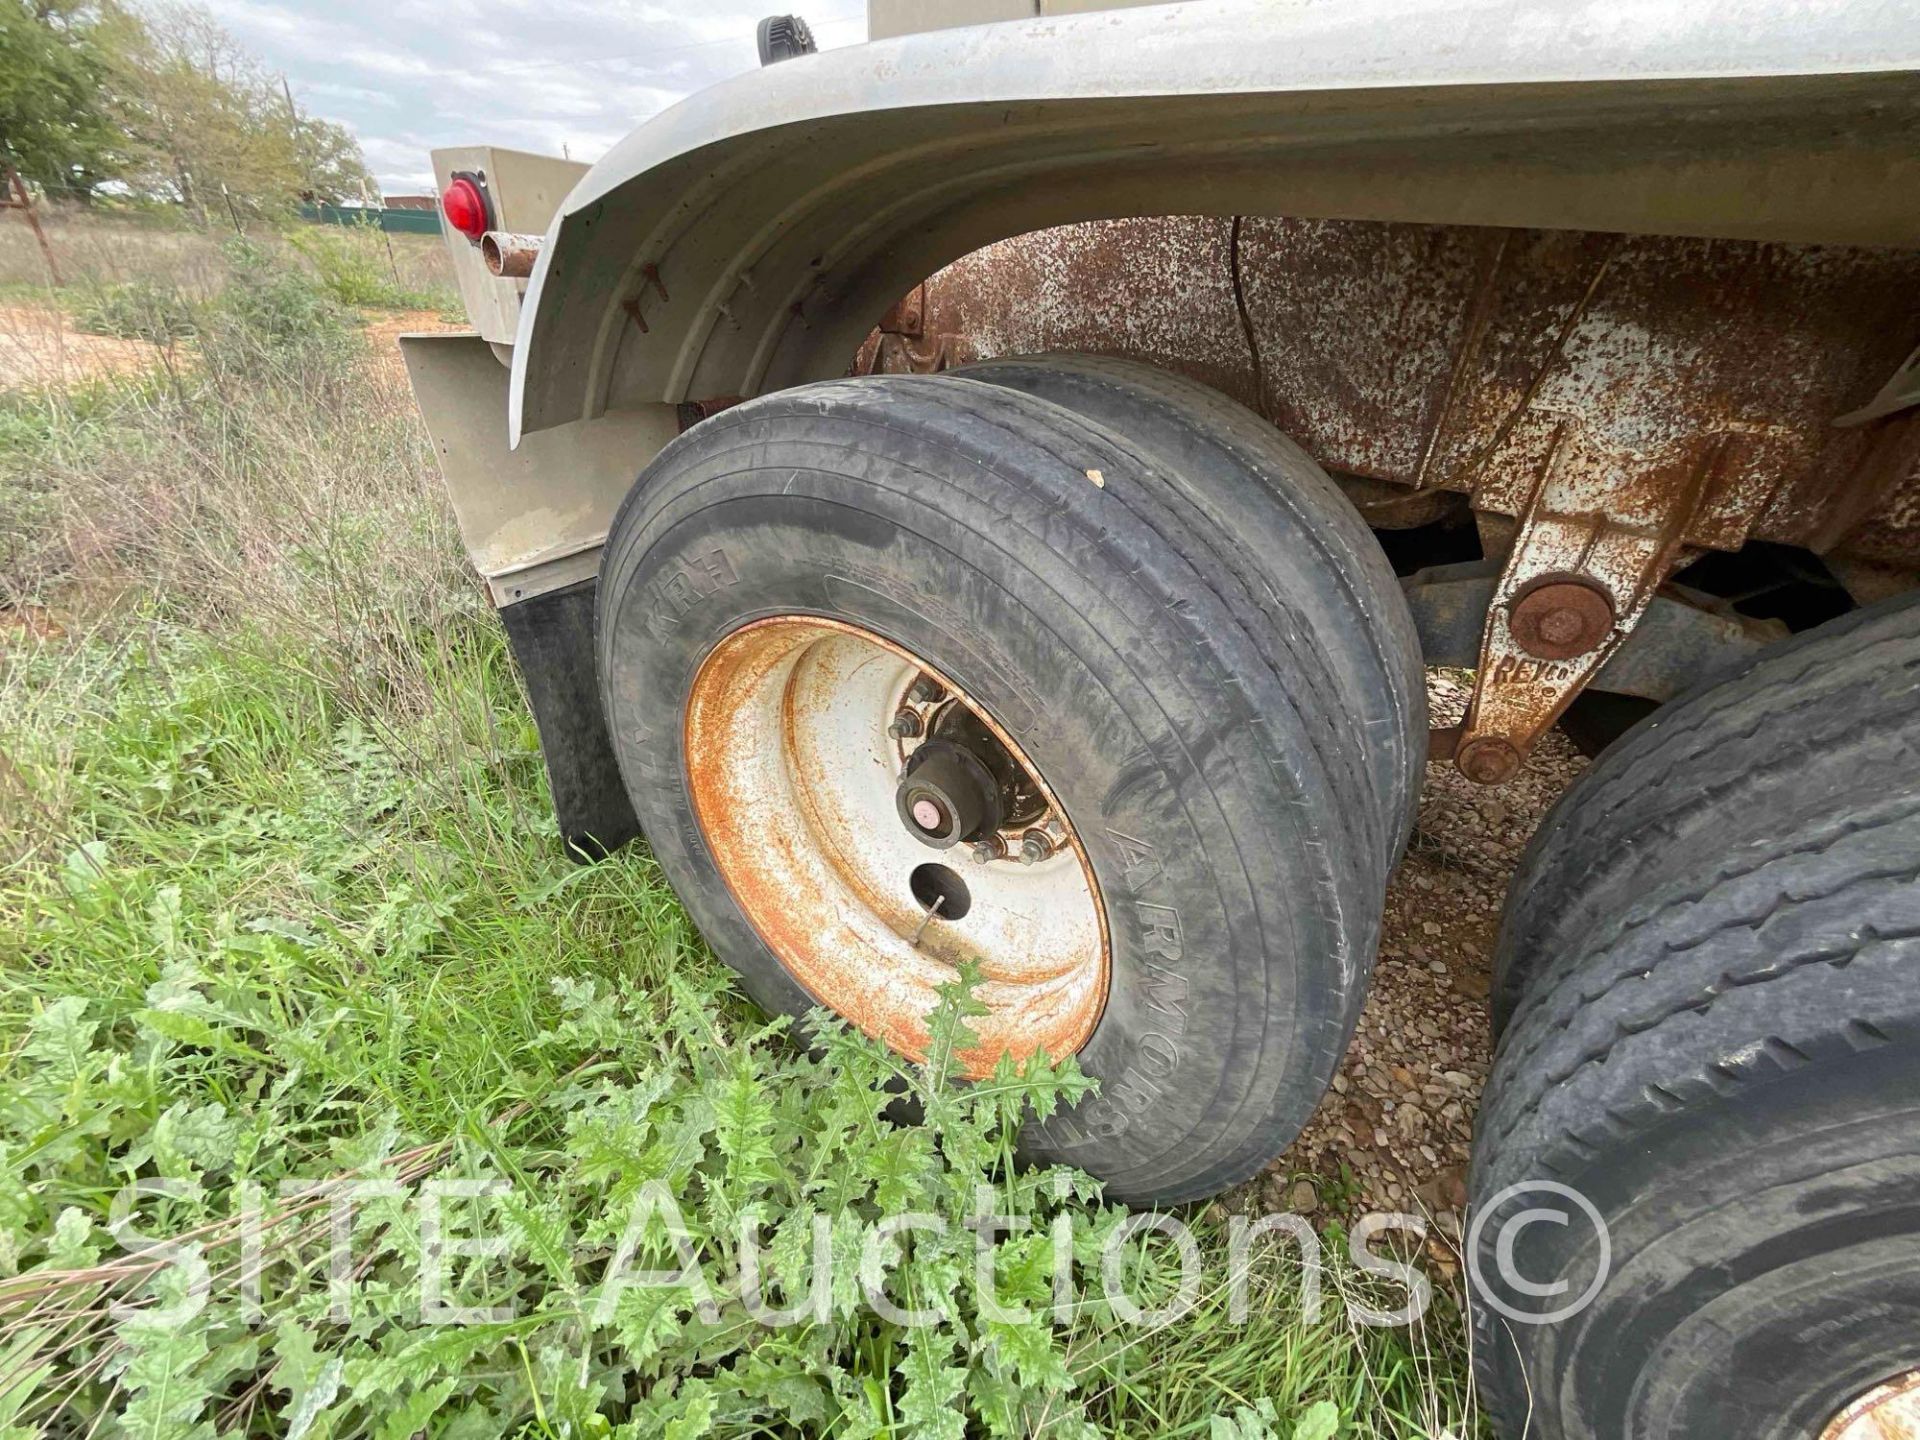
282 900
357 269
135 310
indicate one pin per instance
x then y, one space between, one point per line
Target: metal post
380 217
232 213
24 201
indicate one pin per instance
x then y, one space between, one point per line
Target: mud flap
532 521
552 640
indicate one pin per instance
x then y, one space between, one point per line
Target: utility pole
18 198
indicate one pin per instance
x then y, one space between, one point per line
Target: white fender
747 238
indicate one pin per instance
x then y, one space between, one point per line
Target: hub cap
871 876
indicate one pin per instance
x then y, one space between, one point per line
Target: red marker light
465 208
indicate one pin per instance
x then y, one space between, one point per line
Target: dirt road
39 347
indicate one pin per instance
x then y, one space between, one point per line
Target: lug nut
926 690
987 851
1034 847
905 725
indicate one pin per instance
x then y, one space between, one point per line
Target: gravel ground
1395 1131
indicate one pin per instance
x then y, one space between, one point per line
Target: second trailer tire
1714 1084
989 571
1687 777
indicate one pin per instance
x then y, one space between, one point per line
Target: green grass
360 266
236 794
281 897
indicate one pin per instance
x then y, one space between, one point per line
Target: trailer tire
1094 613
1723 1063
1321 574
1832 700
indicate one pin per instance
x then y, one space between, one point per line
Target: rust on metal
690 413
510 255
792 774
888 352
1487 759
1407 353
1558 617
1565 538
1886 1412
1609 406
908 316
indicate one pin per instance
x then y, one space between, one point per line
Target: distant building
411 202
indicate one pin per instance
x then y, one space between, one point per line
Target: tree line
101 99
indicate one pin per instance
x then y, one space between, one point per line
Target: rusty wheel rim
792 774
1886 1412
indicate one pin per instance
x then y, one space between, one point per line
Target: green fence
394 222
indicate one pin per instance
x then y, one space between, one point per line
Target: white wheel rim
792 774
1886 1412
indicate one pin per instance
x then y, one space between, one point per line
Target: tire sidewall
1763 1270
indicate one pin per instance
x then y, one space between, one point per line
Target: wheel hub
877 828
946 795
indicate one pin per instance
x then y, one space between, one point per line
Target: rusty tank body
1443 361
1633 405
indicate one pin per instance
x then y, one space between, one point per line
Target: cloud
559 76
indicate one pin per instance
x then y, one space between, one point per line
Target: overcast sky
544 75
